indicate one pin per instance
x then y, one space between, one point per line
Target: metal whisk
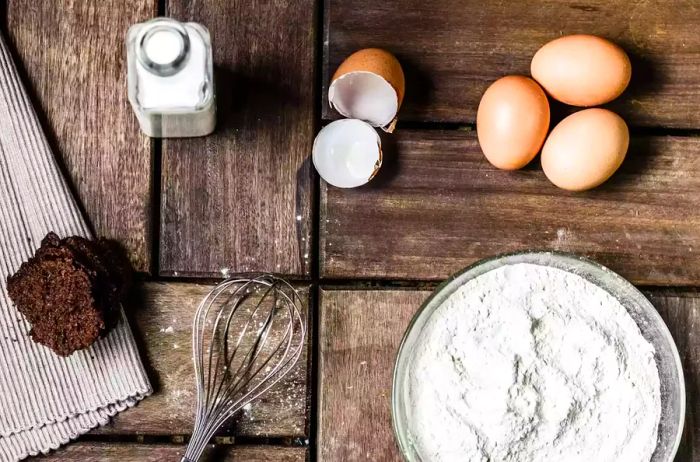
247 335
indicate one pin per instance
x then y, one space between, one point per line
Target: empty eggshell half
369 85
347 153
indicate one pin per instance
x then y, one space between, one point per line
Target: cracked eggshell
369 85
347 153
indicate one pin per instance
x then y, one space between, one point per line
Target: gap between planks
364 283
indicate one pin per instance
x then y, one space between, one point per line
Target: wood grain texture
438 206
358 338
452 50
681 311
122 452
360 331
164 325
241 198
73 55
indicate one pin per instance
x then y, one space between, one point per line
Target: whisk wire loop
247 335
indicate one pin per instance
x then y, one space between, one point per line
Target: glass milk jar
171 78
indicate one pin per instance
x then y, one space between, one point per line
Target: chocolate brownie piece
69 291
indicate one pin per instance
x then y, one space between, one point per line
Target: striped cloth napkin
46 400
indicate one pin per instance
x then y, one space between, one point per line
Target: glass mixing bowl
642 311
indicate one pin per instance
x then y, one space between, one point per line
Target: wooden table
247 199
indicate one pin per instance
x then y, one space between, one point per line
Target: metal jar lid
163 46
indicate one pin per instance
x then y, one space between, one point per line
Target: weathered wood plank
681 311
123 452
73 55
438 206
164 325
359 334
451 49
241 198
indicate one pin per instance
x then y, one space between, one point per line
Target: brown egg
512 121
582 70
585 149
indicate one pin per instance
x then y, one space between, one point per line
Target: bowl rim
595 266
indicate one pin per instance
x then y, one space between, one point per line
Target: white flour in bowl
532 363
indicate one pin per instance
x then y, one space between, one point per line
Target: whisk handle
187 459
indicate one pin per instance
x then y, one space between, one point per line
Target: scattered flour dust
532 363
